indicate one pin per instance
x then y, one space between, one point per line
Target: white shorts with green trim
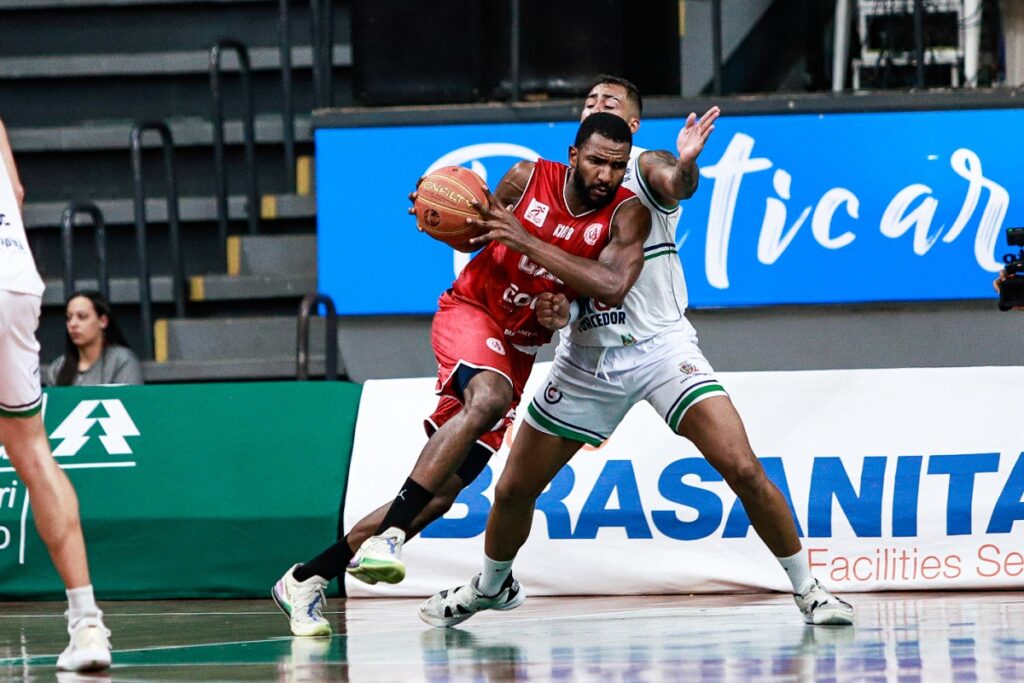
589 390
20 392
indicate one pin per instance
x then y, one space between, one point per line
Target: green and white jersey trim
658 300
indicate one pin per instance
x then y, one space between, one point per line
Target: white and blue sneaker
451 607
379 558
821 608
303 602
89 649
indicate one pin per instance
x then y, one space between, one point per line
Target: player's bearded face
595 194
598 171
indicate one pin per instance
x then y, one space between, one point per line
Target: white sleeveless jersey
17 268
658 299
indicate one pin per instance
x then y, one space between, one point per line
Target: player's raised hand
552 310
497 223
691 139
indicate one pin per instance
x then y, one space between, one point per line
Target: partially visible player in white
54 503
614 357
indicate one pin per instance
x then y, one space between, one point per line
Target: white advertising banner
898 479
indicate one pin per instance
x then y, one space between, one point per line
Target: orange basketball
443 203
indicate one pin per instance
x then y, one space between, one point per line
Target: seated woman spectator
95 350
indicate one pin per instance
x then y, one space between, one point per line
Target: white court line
13 660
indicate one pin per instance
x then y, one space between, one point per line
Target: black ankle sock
328 565
409 502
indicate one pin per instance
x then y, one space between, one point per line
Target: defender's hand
497 223
553 310
695 133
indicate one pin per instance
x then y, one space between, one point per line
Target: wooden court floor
898 637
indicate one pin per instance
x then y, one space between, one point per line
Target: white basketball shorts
590 389
20 391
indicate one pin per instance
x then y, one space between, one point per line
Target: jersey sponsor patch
552 394
537 213
495 345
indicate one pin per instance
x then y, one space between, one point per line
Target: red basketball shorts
465 336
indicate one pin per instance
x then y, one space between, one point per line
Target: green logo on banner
105 420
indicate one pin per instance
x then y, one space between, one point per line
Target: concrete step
57 4
200 288
362 353
186 132
272 255
123 290
155 63
190 209
228 370
241 287
232 338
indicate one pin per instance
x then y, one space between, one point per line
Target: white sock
493 576
81 603
798 570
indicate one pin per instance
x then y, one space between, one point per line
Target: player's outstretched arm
673 178
12 170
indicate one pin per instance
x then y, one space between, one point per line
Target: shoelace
307 593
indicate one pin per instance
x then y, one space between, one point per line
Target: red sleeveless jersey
506 283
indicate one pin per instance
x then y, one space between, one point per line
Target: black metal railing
321 25
67 224
248 134
311 304
173 226
287 107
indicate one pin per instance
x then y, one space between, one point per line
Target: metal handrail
287 107
321 24
311 303
248 133
67 224
173 226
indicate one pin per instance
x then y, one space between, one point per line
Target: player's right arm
12 170
607 279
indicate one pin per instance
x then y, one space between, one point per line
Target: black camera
1011 289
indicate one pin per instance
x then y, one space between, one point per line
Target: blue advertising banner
791 209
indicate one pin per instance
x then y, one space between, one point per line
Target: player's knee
513 493
488 404
746 478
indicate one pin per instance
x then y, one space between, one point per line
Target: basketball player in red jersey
548 229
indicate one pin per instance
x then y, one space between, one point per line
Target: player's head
616 96
598 158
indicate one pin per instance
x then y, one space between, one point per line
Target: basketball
443 203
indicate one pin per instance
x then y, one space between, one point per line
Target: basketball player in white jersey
54 503
614 357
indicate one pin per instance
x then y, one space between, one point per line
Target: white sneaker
89 649
451 607
303 602
820 607
379 558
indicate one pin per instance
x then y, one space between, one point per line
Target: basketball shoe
820 607
303 602
451 607
379 558
89 649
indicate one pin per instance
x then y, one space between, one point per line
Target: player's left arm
674 178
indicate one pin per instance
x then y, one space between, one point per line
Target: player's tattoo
684 177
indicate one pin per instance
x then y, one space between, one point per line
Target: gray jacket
117 365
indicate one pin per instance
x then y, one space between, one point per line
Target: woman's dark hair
112 336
